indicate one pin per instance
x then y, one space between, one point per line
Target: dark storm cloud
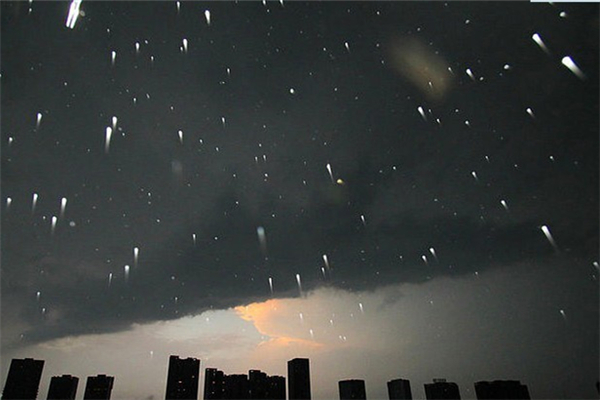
266 164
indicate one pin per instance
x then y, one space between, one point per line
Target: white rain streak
424 258
10 140
330 172
595 264
347 46
178 6
422 112
433 253
137 47
323 272
470 73
228 72
262 239
364 222
569 63
194 239
292 91
34 202
271 285
301 317
467 123
537 39
223 120
312 334
8 202
503 202
126 271
37 296
207 16
73 14
530 112
53 227
63 206
299 282
38 120
185 45
113 57
548 235
474 175
136 256
114 121
110 276
180 134
107 138
360 306
563 315
326 261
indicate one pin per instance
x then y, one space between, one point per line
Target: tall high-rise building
440 389
214 384
399 389
98 387
23 380
352 389
63 387
183 378
298 379
236 387
258 384
501 390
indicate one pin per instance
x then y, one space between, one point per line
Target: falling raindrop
178 6
207 16
262 239
271 285
548 235
299 282
113 57
137 47
185 45
292 91
536 38
570 64
503 202
194 239
347 46
63 206
8 202
107 138
422 112
330 172
474 175
424 258
126 271
433 253
326 261
180 134
73 14
470 73
136 254
110 276
360 306
114 122
53 227
38 120
37 296
34 202
364 222
530 112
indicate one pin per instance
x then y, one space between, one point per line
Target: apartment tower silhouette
63 387
352 389
440 389
183 378
98 387
399 389
298 379
23 380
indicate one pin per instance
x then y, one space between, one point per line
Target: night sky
391 189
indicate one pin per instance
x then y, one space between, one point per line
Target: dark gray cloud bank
411 179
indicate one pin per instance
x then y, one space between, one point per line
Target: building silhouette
399 389
23 380
276 388
298 379
98 387
63 387
236 387
352 389
183 378
440 389
214 384
501 390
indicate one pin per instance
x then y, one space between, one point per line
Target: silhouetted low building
275 388
183 378
23 380
440 389
214 384
236 387
298 379
63 387
98 387
501 390
352 389
399 389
